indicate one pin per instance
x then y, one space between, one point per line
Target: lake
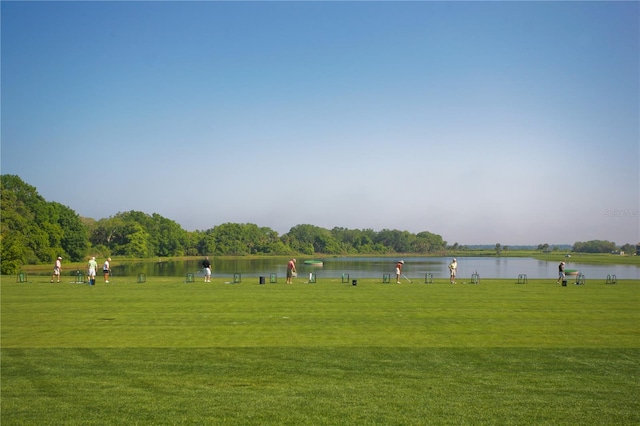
376 267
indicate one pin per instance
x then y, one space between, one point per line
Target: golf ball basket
79 277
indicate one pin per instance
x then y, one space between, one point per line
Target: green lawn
165 352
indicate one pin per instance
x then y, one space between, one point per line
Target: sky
483 122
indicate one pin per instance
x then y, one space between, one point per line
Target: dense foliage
595 246
36 231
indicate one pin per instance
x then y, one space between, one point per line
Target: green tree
74 239
108 233
263 240
206 242
628 249
311 239
136 241
395 240
595 246
14 244
353 241
426 242
34 230
228 239
150 234
170 238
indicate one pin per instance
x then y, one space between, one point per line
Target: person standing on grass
93 265
206 264
106 269
399 266
453 271
561 275
291 269
57 269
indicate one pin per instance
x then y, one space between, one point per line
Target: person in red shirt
291 269
399 270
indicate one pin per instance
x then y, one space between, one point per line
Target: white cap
59 258
454 259
93 258
402 261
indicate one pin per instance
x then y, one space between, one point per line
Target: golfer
57 268
561 276
291 269
453 271
93 265
207 269
106 269
399 270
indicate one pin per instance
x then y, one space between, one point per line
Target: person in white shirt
106 269
453 270
57 269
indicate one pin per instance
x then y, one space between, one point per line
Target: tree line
35 231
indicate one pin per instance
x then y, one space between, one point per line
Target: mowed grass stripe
167 313
355 385
165 352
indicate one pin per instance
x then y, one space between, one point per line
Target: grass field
166 352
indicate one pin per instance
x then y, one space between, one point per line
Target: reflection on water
376 267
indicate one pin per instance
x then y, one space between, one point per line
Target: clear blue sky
484 122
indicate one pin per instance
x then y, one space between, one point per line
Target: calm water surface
376 267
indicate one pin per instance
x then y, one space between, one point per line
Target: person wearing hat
291 269
453 271
93 265
106 269
57 268
206 265
399 270
561 276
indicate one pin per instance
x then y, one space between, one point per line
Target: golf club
407 278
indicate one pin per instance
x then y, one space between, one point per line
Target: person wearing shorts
57 269
399 270
206 264
453 271
106 269
561 275
93 265
291 268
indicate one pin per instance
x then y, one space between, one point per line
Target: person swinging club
399 270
